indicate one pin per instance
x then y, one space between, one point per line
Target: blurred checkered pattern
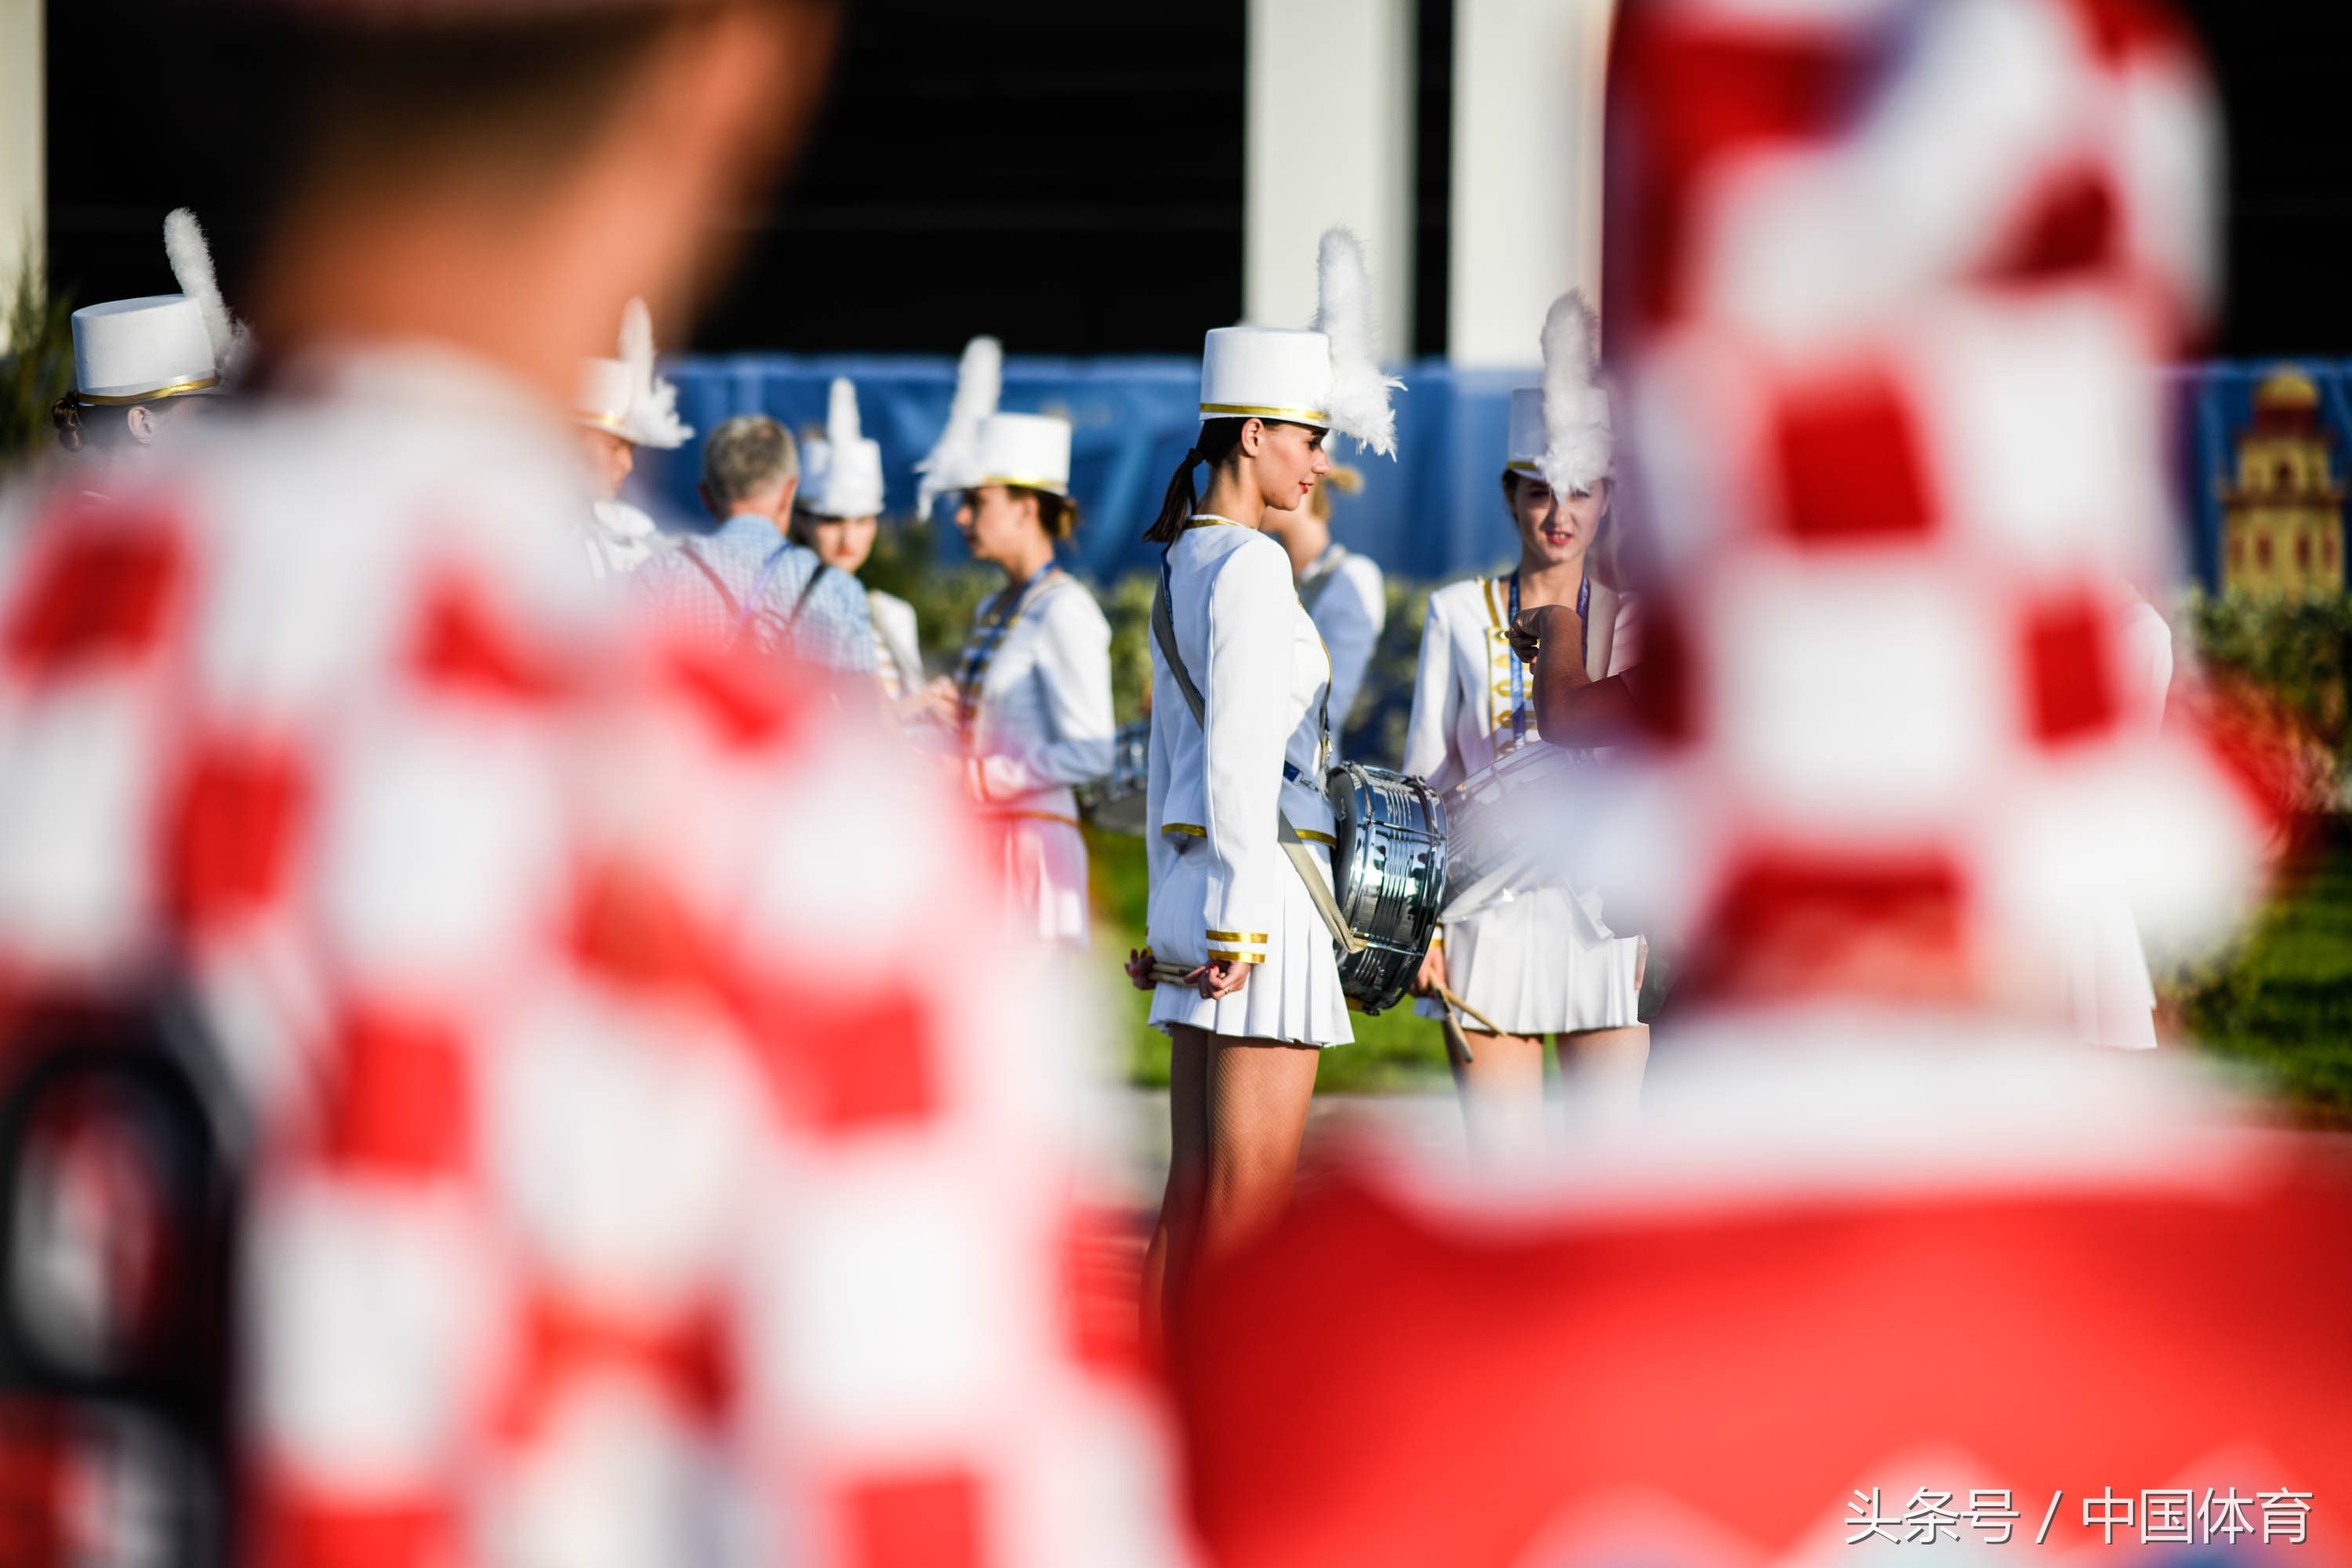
1891 282
654 1159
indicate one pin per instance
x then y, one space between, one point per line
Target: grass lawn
1395 1051
2282 1001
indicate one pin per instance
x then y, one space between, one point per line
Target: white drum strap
1164 627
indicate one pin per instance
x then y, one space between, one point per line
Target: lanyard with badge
1519 671
976 657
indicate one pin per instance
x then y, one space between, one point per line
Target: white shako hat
1329 377
1032 450
161 345
841 475
140 351
624 395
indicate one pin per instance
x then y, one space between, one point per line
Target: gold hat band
1059 486
1520 466
1252 411
175 390
618 424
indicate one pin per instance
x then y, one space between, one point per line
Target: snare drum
1388 875
1496 819
1118 801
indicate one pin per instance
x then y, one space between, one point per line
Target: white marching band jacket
1348 599
1462 693
899 658
1043 721
1262 673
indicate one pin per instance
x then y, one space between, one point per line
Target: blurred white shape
75 822
860 824
620 1140
1856 695
368 1310
614 1479
2169 157
2044 426
1095 1489
891 1307
1807 247
442 851
2151 822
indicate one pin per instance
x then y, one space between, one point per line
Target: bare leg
1600 1073
1259 1091
1502 1096
1176 1237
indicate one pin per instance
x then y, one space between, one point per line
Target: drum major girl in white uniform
836 514
1259 993
1029 705
1538 960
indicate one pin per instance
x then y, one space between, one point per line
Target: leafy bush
2281 666
38 368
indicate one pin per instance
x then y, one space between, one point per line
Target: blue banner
1434 511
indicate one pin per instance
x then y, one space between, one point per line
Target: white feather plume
191 265
841 425
954 461
1578 445
652 419
1359 402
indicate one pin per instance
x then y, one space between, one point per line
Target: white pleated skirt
1531 963
1293 995
1044 861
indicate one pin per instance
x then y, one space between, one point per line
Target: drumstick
1450 1000
1457 1040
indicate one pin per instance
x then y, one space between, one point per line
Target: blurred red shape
922 1520
102 587
1698 89
629 928
401 1101
2071 227
2070 694
1850 463
567 1343
748 696
303 1530
1791 924
847 1063
231 836
463 642
1389 1386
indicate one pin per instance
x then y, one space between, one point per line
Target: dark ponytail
1216 443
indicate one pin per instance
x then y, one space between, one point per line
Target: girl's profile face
1288 460
1556 530
842 542
997 524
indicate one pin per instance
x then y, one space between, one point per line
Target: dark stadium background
1066 174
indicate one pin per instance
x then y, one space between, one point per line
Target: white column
21 144
1330 140
1528 94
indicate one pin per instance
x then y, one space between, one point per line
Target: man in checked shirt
748 581
642 1152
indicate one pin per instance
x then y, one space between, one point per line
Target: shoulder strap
807 588
734 612
1318 891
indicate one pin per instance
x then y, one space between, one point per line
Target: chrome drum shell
1388 873
1119 801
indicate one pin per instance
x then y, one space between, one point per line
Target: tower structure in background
2282 513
